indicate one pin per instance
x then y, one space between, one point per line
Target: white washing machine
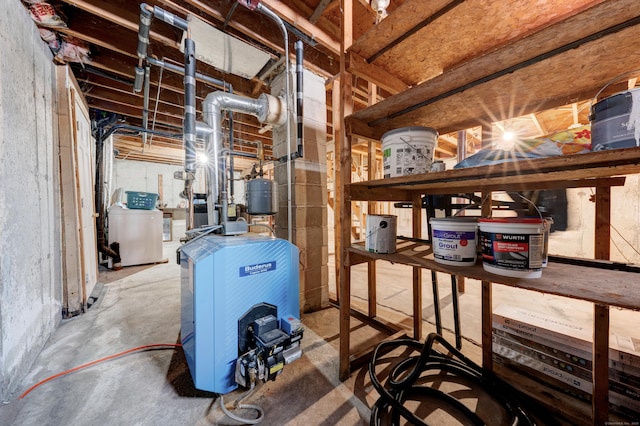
139 233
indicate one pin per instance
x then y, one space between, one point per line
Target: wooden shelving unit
603 287
449 79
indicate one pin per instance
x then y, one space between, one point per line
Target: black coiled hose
402 385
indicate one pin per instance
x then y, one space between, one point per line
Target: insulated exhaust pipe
142 78
299 97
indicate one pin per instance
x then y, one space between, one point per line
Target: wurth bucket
512 246
408 151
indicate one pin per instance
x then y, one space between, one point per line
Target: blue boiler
240 309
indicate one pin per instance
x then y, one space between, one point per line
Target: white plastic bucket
512 246
454 240
380 234
408 151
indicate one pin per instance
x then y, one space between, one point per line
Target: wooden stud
337 180
462 154
487 304
600 405
71 245
160 188
603 223
343 178
371 206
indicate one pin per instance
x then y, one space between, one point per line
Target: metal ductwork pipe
190 106
139 81
180 70
189 139
189 123
101 208
145 108
268 109
255 4
170 18
299 97
143 30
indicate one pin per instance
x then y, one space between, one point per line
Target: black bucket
615 121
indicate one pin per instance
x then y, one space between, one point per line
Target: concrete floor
140 305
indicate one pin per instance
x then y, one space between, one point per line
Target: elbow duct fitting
276 111
268 109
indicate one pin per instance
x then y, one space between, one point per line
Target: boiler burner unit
240 310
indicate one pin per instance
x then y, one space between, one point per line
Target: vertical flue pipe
231 148
189 123
189 127
143 44
266 11
299 96
143 32
145 107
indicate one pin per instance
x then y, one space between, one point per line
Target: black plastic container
614 121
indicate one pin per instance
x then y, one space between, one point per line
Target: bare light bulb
202 158
380 6
508 136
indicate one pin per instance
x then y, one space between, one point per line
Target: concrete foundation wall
143 177
30 248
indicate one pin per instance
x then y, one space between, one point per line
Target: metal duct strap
137 84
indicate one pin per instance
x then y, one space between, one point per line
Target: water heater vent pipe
266 108
268 12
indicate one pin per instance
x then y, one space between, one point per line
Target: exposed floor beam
300 22
319 10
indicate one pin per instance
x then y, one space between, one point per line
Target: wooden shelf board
580 170
606 287
533 73
409 43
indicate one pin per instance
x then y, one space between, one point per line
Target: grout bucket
512 247
454 240
380 234
408 151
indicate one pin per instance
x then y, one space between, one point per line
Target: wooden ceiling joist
516 66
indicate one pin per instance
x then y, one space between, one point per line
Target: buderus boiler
240 309
239 291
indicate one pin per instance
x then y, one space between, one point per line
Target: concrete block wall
30 243
309 197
